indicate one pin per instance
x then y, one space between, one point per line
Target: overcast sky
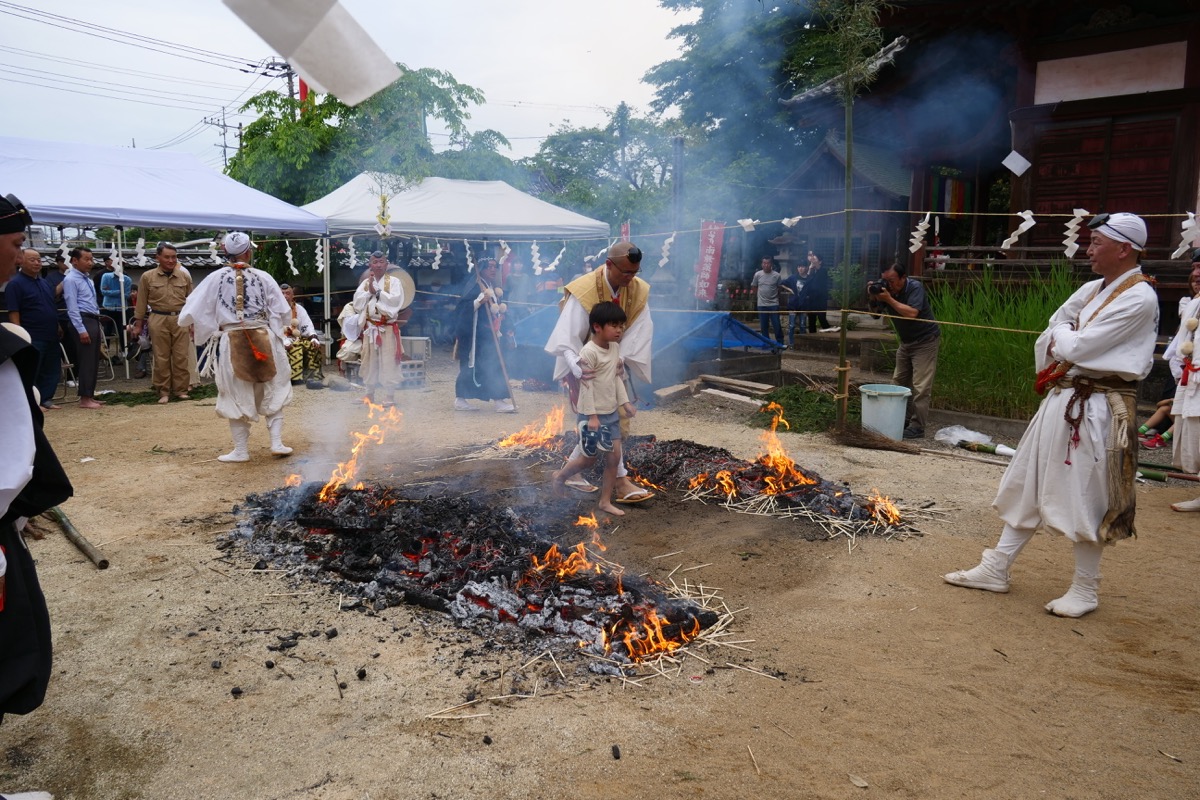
539 62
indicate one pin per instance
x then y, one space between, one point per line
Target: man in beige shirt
161 292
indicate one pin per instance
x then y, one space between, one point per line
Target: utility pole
278 68
225 128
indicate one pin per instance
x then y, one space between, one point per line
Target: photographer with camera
920 335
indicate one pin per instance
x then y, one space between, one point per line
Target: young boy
599 399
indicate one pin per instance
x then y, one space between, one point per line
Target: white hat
236 243
1122 227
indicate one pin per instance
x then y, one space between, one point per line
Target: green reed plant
986 371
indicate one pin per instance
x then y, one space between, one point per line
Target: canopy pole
119 267
328 306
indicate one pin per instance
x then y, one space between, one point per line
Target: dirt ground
890 678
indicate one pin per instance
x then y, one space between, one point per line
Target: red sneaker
1154 442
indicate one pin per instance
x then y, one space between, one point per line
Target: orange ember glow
783 472
388 421
588 522
640 481
698 481
560 566
724 482
537 434
646 636
882 508
293 480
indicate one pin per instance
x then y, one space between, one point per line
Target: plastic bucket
883 407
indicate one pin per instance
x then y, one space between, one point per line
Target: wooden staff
85 547
492 315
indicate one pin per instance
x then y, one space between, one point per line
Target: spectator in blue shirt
30 302
84 315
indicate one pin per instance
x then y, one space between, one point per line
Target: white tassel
1071 241
1190 234
917 240
666 251
287 252
1028 223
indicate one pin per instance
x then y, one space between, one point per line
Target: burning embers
476 562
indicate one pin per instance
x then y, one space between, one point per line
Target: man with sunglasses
615 280
1074 468
31 481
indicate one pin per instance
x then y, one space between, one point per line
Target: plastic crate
418 348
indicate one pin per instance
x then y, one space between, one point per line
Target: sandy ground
890 678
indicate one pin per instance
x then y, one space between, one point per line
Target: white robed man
616 280
1073 473
238 313
1184 361
378 302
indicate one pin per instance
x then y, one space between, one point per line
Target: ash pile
484 565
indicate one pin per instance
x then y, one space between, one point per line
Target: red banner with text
712 235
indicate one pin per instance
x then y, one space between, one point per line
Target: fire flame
882 508
644 635
724 482
389 421
785 475
561 566
293 480
588 522
538 434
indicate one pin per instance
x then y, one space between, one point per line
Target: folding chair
68 379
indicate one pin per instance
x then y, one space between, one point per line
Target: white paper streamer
118 263
287 252
917 240
320 257
383 219
214 252
790 222
666 251
557 259
1028 222
140 252
470 260
437 255
535 255
1190 235
350 251
1071 241
505 250
748 224
63 249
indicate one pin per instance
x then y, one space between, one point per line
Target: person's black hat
14 217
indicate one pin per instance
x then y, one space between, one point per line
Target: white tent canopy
451 208
62 183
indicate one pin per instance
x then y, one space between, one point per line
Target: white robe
377 305
1185 409
571 332
1039 490
211 306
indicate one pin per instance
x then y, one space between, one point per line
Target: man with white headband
1074 468
240 313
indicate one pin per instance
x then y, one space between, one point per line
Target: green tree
301 151
614 173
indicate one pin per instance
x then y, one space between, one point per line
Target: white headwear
236 243
1124 227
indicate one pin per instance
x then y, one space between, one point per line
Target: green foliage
988 371
613 173
299 152
805 409
853 287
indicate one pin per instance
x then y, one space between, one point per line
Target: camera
875 288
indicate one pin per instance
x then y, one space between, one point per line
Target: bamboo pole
77 539
493 316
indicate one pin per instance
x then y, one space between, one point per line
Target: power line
76 80
134 72
188 52
107 96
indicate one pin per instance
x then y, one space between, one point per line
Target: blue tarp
679 336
